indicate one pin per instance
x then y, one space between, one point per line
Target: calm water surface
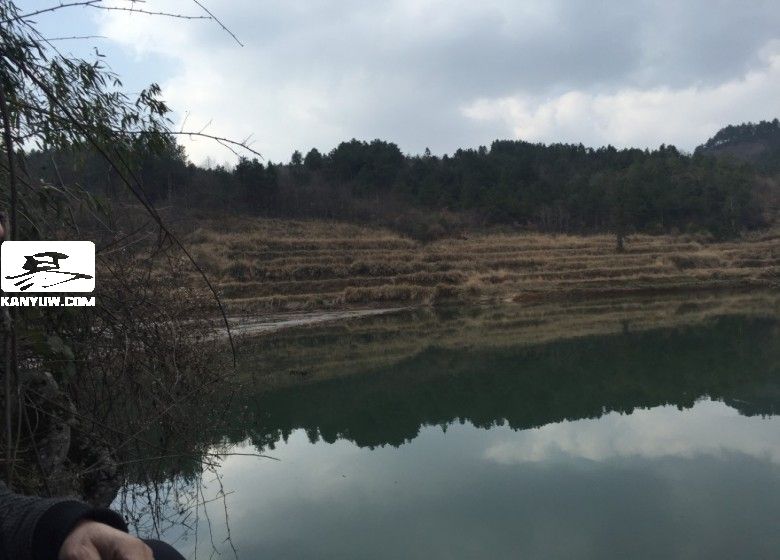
655 444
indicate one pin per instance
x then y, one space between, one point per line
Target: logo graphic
47 266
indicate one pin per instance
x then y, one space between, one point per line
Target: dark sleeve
34 528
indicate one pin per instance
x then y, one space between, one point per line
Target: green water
655 444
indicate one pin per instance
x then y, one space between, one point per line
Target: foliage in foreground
82 387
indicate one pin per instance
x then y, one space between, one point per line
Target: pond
625 441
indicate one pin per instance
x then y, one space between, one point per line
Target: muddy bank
266 324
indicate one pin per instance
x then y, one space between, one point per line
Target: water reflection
736 359
606 489
653 443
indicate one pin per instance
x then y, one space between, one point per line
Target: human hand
91 540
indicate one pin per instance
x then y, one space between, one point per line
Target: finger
135 551
81 552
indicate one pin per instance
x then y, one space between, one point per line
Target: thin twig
75 37
137 191
50 9
10 370
148 12
96 4
215 18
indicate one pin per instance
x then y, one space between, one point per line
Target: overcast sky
448 73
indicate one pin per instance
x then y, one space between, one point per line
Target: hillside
754 143
286 265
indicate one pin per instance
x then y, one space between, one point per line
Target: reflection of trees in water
733 359
364 345
762 400
175 508
168 497
730 359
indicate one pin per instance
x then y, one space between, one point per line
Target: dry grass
307 265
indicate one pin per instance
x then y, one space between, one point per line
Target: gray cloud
315 73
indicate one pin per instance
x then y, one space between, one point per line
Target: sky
445 74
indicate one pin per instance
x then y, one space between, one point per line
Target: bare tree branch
97 4
216 19
74 37
134 185
151 13
59 6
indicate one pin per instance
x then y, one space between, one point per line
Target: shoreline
314 352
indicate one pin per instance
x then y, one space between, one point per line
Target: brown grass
293 265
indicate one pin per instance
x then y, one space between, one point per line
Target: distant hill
758 144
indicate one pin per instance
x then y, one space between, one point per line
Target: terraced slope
295 265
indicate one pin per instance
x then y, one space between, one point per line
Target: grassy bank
282 265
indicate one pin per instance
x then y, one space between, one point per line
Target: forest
726 186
